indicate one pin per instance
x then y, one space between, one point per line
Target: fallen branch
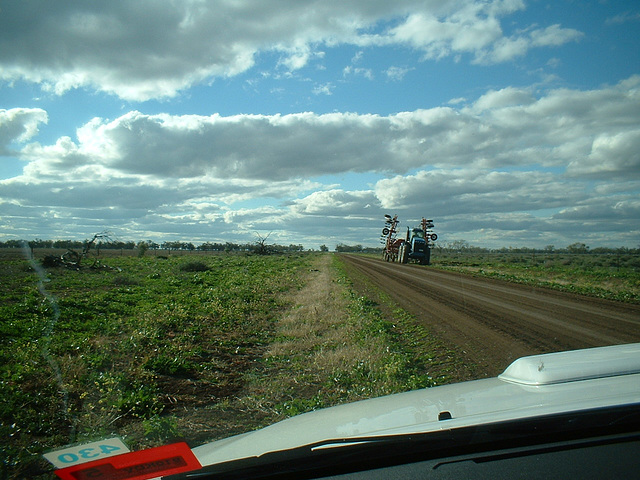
74 260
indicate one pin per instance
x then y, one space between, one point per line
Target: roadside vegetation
161 346
125 350
611 275
195 347
337 344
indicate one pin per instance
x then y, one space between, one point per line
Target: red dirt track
491 322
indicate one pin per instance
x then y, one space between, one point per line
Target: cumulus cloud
616 154
498 159
145 49
506 97
583 131
335 203
18 125
508 48
475 28
463 31
477 191
277 147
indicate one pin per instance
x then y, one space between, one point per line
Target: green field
612 276
102 351
201 346
187 347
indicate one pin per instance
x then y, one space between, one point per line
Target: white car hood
531 386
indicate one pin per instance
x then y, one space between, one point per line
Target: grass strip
338 346
442 363
612 277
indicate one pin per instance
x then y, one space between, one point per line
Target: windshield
207 207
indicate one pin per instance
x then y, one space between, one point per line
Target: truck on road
416 246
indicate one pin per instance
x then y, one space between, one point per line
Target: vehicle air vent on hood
561 367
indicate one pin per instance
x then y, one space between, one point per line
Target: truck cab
415 247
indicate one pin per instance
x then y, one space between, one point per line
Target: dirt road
491 322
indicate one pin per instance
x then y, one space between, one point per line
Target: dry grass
318 318
301 359
331 347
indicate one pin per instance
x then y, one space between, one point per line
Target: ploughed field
492 322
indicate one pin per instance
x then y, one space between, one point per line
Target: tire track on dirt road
492 322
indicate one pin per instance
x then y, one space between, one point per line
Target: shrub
122 281
194 266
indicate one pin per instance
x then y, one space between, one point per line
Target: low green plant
105 350
340 346
161 429
614 277
194 266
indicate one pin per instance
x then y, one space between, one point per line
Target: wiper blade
292 461
351 455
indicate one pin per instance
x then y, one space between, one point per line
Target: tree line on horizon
146 245
457 246
462 246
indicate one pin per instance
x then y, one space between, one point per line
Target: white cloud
465 27
324 89
507 97
500 159
503 50
19 125
475 28
508 48
396 73
611 154
553 35
586 132
457 101
625 17
363 72
334 202
145 49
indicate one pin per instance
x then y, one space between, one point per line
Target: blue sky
510 123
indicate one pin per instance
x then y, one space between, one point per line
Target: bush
122 281
194 266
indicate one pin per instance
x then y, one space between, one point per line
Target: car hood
529 387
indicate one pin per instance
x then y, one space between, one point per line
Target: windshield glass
205 207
